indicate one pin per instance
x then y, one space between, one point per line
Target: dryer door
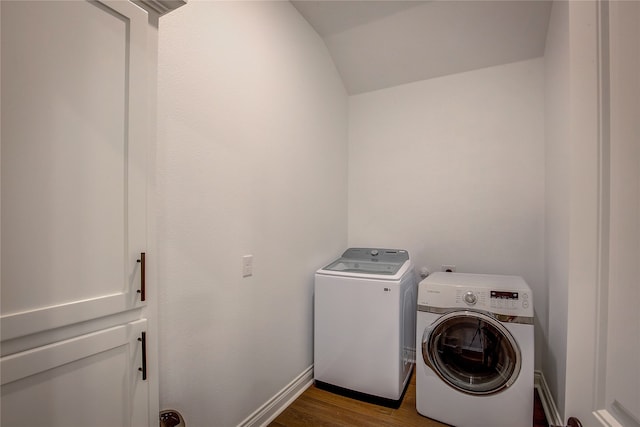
472 352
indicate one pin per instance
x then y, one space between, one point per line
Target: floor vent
171 418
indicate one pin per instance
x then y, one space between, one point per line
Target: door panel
91 380
603 347
73 161
622 396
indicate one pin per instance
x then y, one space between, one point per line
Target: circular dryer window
472 352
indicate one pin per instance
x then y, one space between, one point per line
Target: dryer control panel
476 292
509 299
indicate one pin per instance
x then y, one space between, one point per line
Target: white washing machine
476 350
364 325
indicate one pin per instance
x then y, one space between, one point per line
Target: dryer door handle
425 340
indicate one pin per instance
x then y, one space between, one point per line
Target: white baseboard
548 404
278 403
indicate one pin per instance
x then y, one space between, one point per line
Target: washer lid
370 261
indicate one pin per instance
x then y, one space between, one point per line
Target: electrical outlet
448 268
247 265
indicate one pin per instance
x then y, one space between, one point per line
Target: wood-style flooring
316 407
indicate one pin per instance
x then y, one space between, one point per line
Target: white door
74 173
619 374
603 367
73 161
93 380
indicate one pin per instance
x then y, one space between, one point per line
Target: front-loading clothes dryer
364 324
475 345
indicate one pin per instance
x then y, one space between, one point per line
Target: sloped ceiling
379 44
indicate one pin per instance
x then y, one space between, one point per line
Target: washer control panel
376 255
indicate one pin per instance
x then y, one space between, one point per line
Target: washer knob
374 252
470 298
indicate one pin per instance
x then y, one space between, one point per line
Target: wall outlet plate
247 265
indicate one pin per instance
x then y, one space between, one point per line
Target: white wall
557 196
252 159
452 169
